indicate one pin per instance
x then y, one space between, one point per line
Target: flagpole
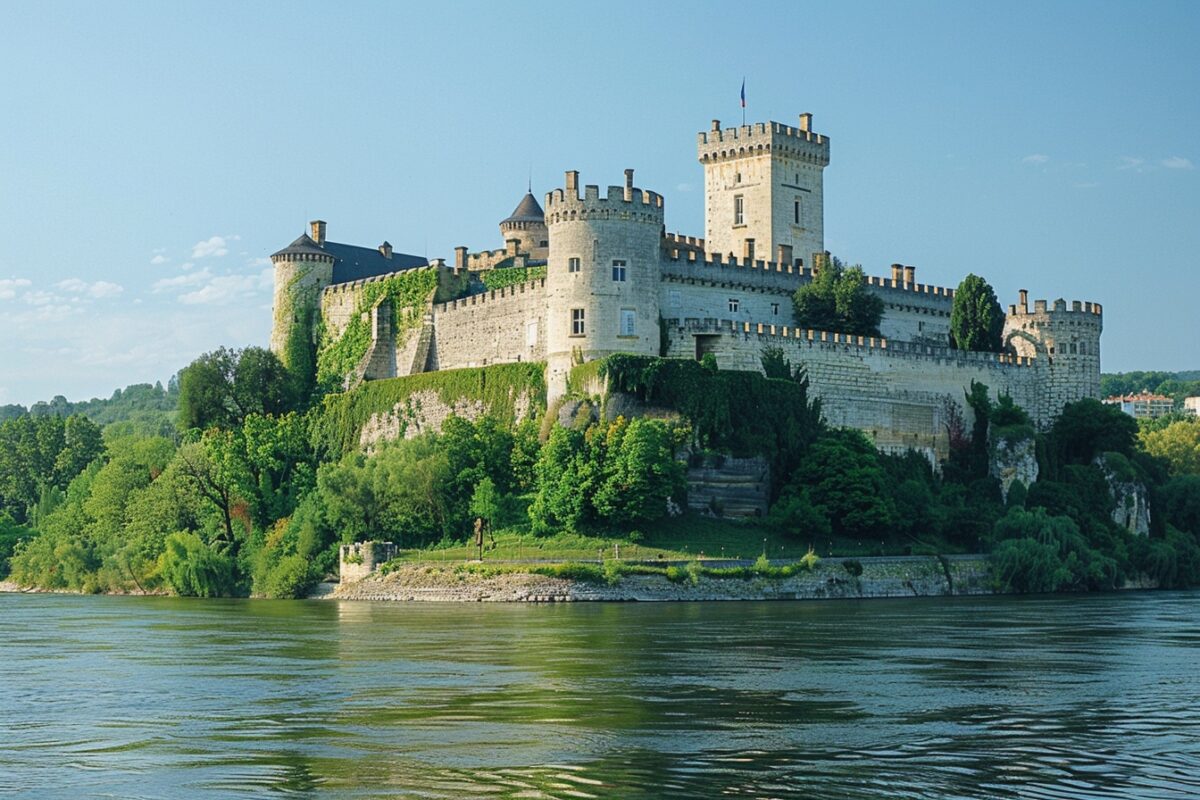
743 101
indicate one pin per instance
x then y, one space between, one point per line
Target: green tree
837 299
843 471
191 568
1178 443
976 318
222 388
1087 428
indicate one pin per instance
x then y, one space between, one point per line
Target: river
1065 697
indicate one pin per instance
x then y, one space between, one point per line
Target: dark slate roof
527 210
302 246
350 262
354 263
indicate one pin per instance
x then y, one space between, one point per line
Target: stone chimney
573 181
897 274
318 231
385 249
716 126
460 257
628 185
806 122
1023 294
910 275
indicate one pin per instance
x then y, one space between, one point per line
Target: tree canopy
838 300
976 319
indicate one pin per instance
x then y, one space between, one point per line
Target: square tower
764 190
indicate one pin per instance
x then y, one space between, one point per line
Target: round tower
302 270
527 224
1064 342
602 276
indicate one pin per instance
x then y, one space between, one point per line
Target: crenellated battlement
619 202
516 290
354 286
761 138
1080 310
847 341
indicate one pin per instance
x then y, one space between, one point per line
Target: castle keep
592 272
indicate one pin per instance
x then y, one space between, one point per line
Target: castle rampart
495 327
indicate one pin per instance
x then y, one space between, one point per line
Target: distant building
1144 405
1191 405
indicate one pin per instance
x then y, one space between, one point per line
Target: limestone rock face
1132 510
1013 460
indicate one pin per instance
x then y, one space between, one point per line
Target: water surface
1063 697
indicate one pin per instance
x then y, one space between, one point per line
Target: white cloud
9 287
225 289
181 281
39 298
1129 162
158 259
215 246
98 290
1177 162
683 187
1036 158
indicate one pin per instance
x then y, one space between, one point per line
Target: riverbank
899 576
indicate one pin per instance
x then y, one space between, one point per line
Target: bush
190 568
853 567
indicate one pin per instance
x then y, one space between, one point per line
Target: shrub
191 568
853 566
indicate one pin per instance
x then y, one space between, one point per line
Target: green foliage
42 453
510 276
1179 502
1178 443
976 318
1087 428
409 293
610 474
838 300
742 413
1175 384
190 568
222 388
843 473
853 567
143 408
776 366
340 420
11 534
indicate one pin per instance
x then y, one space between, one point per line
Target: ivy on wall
409 292
339 423
510 276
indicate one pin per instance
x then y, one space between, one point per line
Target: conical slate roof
527 210
302 246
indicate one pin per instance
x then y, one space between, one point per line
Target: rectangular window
531 334
674 299
775 309
796 211
572 265
734 305
577 322
739 210
618 270
628 322
748 250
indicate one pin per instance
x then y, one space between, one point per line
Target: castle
602 276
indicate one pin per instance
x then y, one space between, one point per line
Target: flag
743 92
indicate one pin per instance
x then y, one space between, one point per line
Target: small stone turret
527 225
302 270
1064 341
602 281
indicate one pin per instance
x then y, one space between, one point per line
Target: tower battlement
1082 311
619 202
801 143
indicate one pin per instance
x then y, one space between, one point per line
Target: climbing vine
408 291
510 276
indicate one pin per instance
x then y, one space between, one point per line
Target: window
628 322
531 334
674 299
618 270
577 322
739 210
775 309
572 265
737 177
544 243
748 250
796 211
734 305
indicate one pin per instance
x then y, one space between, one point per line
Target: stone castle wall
496 327
894 391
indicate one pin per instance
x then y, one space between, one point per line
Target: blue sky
153 155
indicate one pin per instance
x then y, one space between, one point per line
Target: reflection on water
1078 697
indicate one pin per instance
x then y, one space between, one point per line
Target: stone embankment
911 576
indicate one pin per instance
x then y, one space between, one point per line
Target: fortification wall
690 299
894 391
337 306
499 326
